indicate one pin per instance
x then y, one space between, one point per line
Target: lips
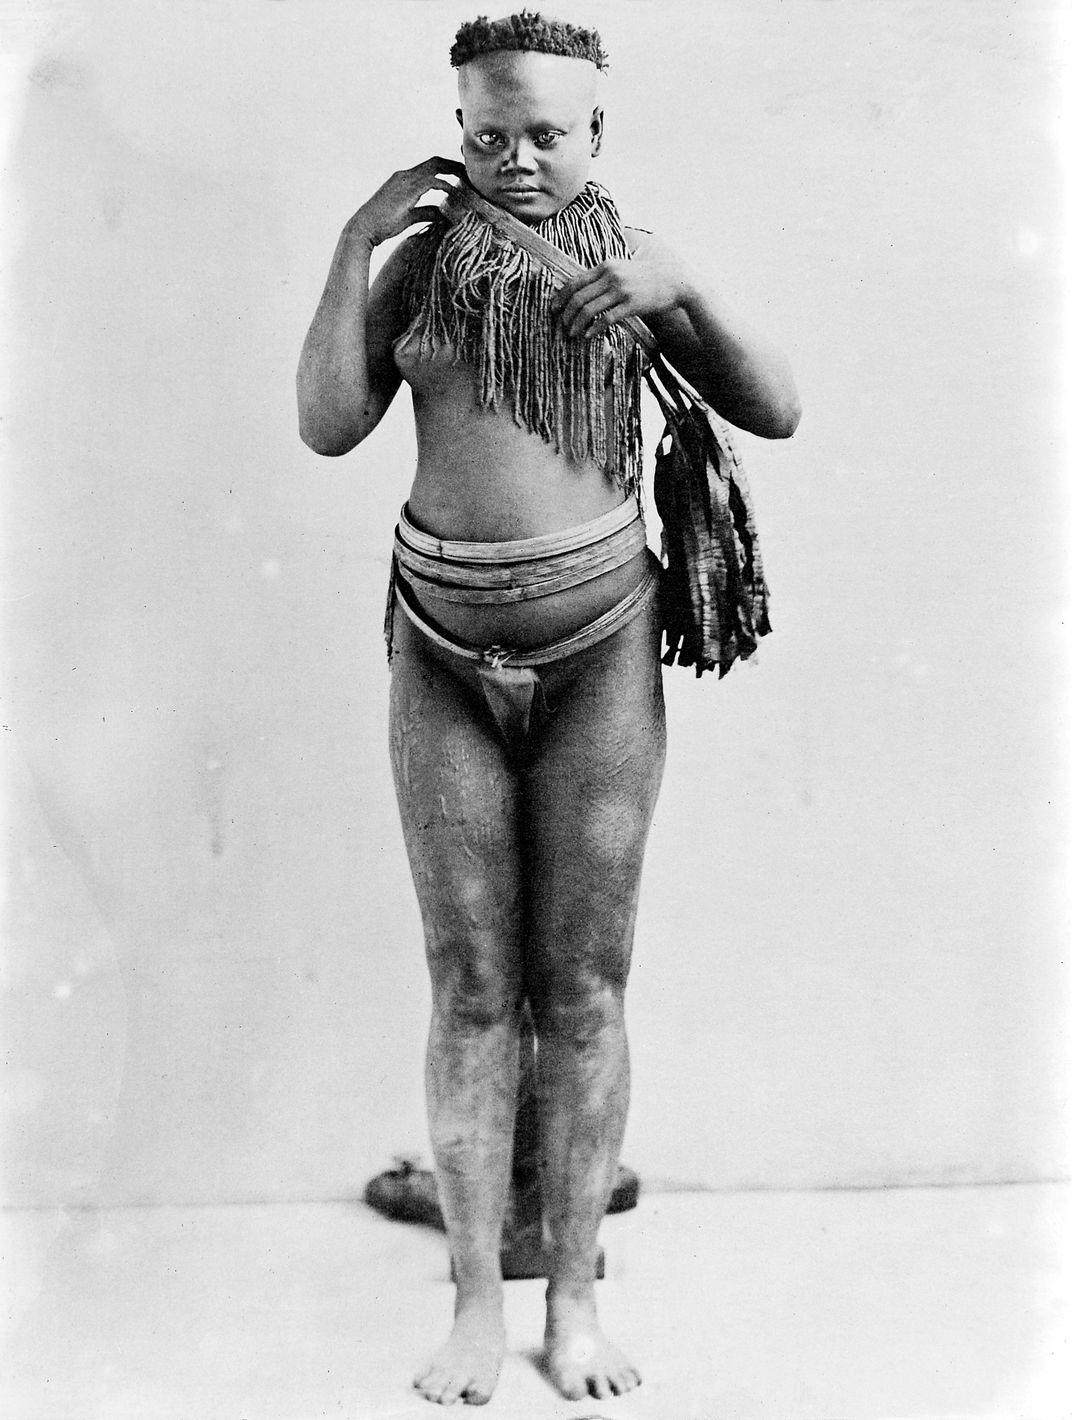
519 191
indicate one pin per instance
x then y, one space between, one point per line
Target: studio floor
821 1305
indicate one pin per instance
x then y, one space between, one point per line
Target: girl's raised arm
346 374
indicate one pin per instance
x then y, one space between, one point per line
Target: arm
346 375
741 376
346 378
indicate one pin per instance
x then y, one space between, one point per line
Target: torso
481 477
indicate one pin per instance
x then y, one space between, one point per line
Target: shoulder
407 256
637 237
401 281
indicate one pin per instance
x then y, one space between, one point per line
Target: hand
396 206
652 282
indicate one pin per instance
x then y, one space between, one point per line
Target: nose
520 157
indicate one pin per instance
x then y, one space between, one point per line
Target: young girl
526 720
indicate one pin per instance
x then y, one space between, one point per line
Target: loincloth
492 573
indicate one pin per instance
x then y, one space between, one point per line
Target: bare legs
527 876
590 797
459 808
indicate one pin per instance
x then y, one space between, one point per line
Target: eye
547 139
490 140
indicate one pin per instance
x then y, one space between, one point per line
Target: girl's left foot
580 1359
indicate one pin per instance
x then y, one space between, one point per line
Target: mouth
520 191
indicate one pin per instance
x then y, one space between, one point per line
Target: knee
611 838
473 993
579 1007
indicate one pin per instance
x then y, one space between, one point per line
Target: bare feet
467 1367
579 1357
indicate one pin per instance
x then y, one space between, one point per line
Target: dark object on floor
408 1193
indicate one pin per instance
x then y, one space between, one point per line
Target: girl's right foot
467 1367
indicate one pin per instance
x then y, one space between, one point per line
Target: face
531 128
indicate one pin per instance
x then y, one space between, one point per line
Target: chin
536 208
526 209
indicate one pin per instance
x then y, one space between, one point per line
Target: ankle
570 1294
485 1296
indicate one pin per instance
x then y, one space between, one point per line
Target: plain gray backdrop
849 955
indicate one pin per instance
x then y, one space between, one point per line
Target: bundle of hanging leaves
713 595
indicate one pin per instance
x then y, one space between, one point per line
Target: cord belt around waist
494 573
498 657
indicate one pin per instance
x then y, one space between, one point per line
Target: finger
423 214
446 165
564 292
596 300
603 320
574 286
439 184
572 317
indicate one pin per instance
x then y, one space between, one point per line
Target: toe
600 1387
432 1384
572 1387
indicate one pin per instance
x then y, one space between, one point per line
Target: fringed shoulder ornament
473 290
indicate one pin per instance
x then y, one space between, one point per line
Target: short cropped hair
529 31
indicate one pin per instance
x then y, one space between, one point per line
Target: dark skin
528 880
726 364
743 377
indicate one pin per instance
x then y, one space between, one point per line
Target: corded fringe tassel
471 291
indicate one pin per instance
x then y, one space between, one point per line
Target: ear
597 131
458 116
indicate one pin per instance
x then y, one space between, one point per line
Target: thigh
458 798
590 793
